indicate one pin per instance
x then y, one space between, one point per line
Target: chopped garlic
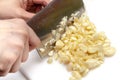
110 51
59 44
41 50
50 60
51 53
93 63
85 72
56 56
79 46
92 49
76 74
73 78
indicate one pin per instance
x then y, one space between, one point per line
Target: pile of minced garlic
79 46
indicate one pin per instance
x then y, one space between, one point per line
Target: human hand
20 8
15 37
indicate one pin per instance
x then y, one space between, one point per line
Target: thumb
26 15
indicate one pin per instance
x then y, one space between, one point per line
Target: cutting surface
105 15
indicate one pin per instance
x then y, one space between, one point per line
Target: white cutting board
106 16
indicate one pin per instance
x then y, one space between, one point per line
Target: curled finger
25 52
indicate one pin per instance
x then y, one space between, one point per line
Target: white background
106 16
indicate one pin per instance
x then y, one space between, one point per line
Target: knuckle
16 48
3 70
6 64
19 13
24 59
14 70
19 46
3 73
10 59
25 34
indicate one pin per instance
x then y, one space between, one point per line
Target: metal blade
47 19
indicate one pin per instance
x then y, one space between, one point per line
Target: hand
15 37
20 8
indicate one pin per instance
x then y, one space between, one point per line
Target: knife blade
48 18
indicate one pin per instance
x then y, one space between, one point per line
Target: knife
48 18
